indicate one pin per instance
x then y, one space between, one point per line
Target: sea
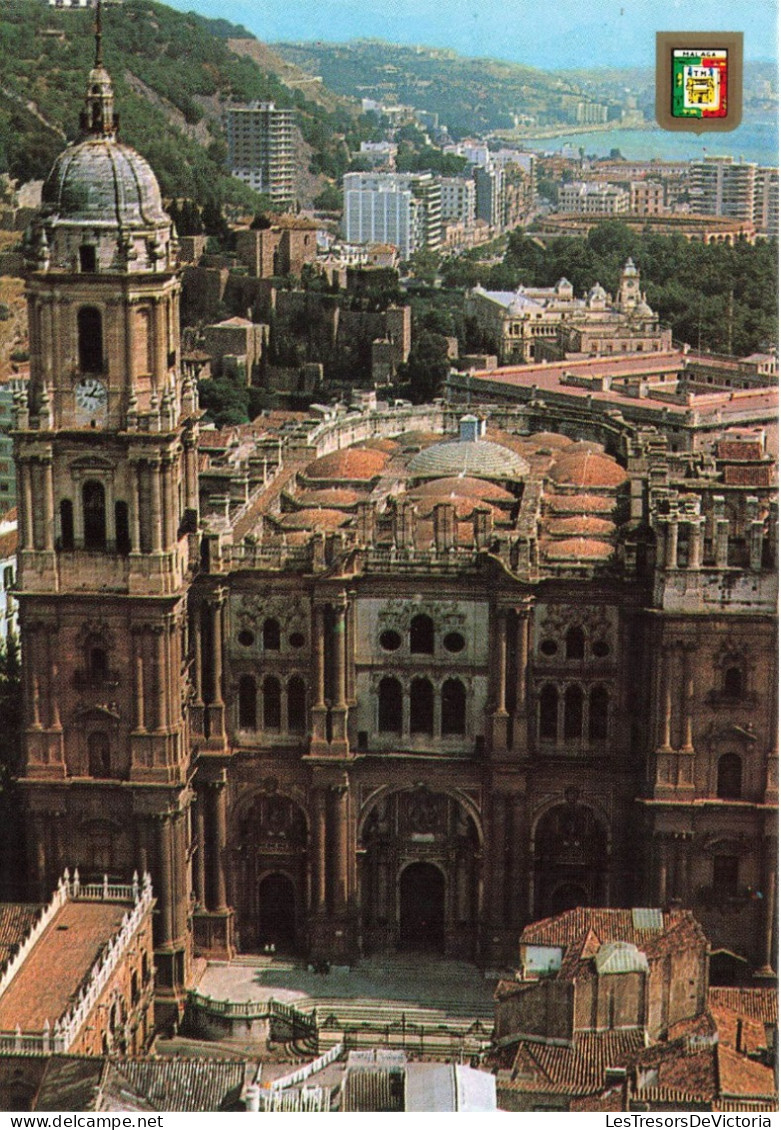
755 141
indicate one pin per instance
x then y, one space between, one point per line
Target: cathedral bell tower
105 449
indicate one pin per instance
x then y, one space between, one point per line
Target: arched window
90 332
549 712
726 872
729 782
573 713
575 643
272 704
733 682
94 506
453 707
66 524
296 704
421 707
99 751
390 707
248 703
421 635
597 714
271 635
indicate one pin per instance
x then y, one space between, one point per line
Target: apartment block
260 149
404 209
720 186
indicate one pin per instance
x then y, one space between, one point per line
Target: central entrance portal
422 908
277 913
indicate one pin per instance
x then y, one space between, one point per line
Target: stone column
218 838
200 854
161 346
161 704
197 648
339 708
48 504
350 649
164 883
319 708
769 879
521 723
496 857
319 849
134 510
696 533
499 742
516 876
687 699
340 842
216 613
156 505
25 473
138 669
671 544
661 871
666 700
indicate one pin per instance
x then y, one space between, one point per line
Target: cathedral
379 678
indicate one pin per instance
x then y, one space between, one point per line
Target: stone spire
98 118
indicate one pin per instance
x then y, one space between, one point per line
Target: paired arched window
453 707
98 664
272 703
89 324
421 707
93 496
729 780
271 635
296 705
390 706
421 635
549 712
248 703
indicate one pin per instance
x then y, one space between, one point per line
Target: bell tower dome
106 458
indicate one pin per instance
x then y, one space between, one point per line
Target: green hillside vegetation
470 95
692 285
173 73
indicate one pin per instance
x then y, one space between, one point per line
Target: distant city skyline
571 34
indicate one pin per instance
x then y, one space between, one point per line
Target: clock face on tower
91 397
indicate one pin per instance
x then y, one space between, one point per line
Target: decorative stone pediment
399 613
292 612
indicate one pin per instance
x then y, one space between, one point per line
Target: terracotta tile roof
465 507
179 1084
8 544
55 968
314 518
569 548
578 1069
415 439
352 463
466 486
389 446
550 440
588 469
742 1077
679 929
756 1004
70 1083
16 921
581 524
329 496
561 503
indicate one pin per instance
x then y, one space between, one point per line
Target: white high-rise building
404 209
260 149
720 186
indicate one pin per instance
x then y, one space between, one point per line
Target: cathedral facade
385 679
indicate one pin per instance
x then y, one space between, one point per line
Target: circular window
297 639
454 642
600 648
549 647
246 637
390 640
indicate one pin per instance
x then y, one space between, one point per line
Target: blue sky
562 33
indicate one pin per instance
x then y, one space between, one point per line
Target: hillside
173 74
470 95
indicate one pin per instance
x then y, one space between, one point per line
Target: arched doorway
570 859
277 912
422 908
420 862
